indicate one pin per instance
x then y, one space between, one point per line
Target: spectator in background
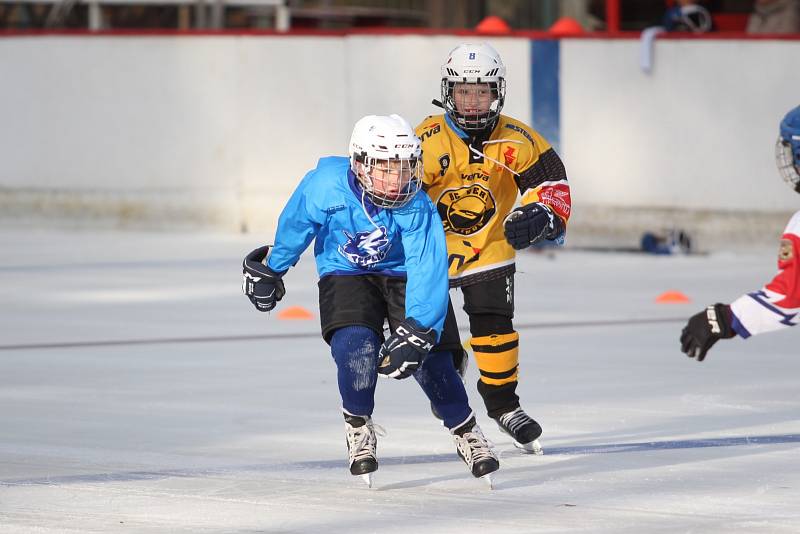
774 16
681 16
687 16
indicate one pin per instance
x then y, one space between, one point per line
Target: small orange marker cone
493 24
295 312
672 297
566 26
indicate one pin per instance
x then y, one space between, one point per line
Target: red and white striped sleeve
777 304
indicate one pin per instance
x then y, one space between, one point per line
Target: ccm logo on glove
402 353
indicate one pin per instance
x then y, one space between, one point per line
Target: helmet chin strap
364 194
364 207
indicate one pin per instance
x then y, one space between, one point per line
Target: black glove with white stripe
262 285
706 328
403 352
529 224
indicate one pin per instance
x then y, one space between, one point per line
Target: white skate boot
361 446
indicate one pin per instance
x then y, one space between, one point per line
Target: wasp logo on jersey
365 249
466 210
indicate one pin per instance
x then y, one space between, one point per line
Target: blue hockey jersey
354 237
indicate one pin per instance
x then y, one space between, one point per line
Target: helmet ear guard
787 149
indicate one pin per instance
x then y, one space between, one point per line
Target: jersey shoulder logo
523 131
365 249
509 156
467 209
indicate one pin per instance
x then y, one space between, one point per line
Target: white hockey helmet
787 149
474 64
386 157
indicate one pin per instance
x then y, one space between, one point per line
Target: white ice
141 392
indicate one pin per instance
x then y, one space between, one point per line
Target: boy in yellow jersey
477 163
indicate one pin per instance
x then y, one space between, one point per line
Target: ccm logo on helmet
404 146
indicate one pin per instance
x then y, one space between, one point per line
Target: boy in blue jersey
381 255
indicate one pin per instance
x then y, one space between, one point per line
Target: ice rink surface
141 392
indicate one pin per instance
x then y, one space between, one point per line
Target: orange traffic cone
493 24
295 313
566 26
672 297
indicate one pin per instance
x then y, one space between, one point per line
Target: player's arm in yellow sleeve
546 203
543 178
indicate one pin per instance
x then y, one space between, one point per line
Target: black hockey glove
262 285
706 328
402 353
529 224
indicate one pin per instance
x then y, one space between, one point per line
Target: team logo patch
558 198
365 249
509 155
786 252
444 162
466 210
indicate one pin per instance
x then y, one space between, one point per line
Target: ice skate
524 431
476 451
361 446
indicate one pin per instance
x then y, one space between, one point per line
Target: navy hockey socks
438 379
355 351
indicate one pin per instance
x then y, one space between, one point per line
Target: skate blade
530 448
367 478
487 479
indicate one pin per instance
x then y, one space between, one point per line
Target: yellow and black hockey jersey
475 181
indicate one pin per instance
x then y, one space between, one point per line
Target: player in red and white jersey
777 304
